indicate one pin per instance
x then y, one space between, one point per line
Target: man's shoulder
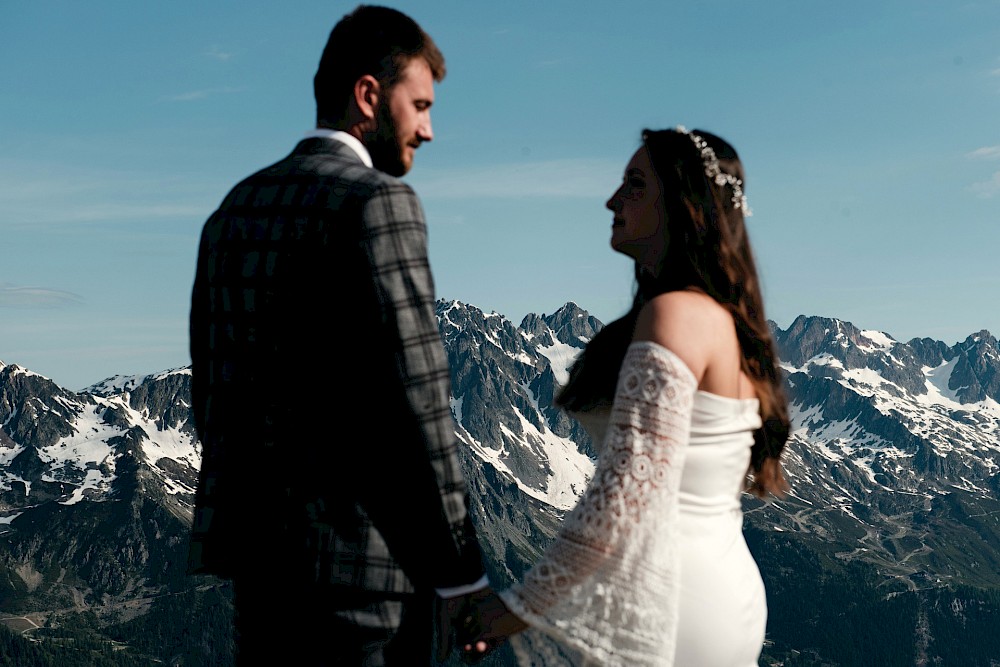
373 179
337 168
322 173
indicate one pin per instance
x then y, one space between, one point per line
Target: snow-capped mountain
887 436
893 464
95 512
67 447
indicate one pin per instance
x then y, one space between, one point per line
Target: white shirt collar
345 138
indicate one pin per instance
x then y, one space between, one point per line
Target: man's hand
458 621
494 623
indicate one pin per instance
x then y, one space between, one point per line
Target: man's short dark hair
374 40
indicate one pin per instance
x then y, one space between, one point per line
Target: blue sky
869 131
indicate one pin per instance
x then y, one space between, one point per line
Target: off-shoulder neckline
752 399
675 357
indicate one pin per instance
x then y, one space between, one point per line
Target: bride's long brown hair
708 250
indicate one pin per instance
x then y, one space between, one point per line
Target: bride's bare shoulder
688 323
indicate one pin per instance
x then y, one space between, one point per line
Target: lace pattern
605 592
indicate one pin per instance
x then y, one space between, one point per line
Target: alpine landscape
886 552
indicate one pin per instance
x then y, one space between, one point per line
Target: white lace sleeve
605 592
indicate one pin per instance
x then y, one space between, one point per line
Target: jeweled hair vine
714 172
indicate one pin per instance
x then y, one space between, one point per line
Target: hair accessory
714 171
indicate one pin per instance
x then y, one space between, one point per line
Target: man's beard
383 144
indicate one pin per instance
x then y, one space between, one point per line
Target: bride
684 400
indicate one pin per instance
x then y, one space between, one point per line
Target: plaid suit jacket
320 386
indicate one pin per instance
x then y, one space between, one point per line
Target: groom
331 491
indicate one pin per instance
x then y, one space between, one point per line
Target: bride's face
638 228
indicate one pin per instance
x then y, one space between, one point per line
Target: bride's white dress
651 567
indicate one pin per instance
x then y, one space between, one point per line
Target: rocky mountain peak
976 373
893 460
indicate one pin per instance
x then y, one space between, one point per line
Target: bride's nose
612 203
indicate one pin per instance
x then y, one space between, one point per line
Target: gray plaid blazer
320 386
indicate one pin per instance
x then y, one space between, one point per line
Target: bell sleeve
606 589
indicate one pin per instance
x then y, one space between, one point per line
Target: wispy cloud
580 178
987 189
12 296
111 211
48 193
218 54
985 153
193 95
991 186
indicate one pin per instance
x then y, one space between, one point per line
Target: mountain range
886 550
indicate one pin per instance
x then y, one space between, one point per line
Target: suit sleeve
198 337
425 519
199 553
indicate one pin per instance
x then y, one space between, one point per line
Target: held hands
494 624
478 623
457 620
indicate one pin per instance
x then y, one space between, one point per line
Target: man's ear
366 95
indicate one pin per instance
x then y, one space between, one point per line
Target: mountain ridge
893 460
